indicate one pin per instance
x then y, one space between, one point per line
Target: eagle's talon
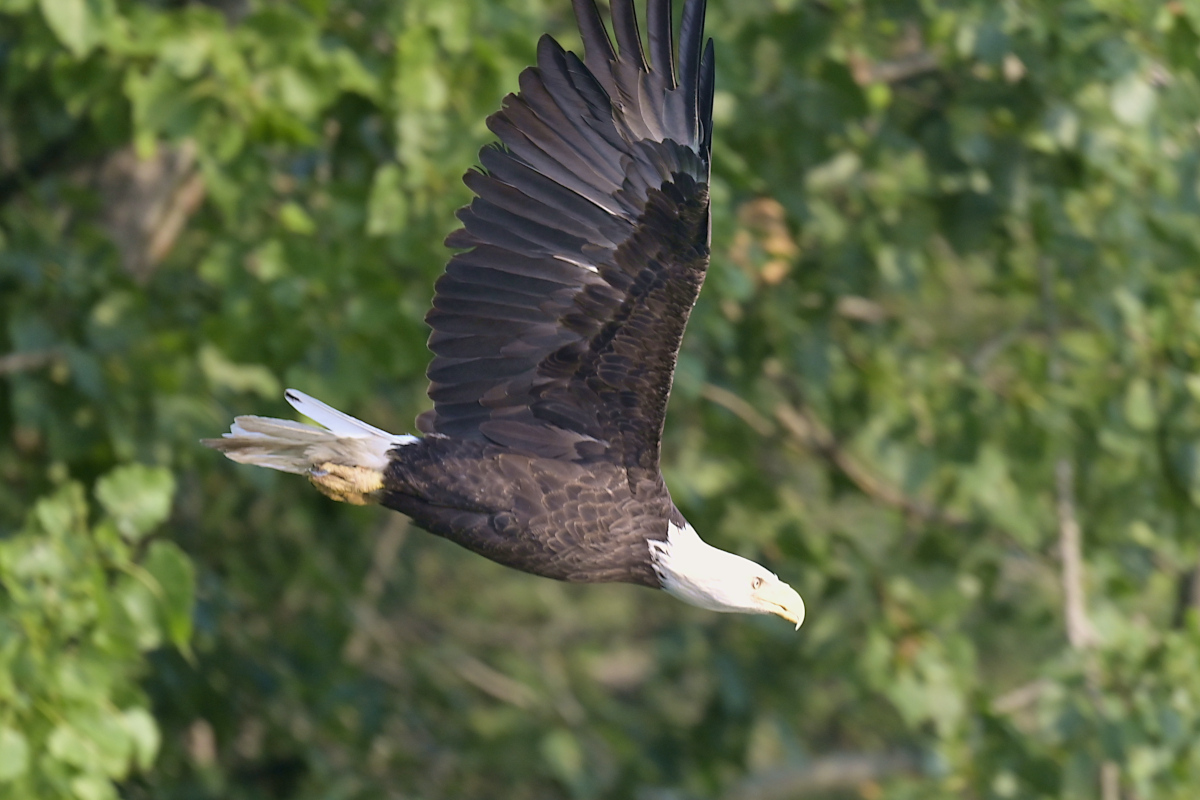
357 486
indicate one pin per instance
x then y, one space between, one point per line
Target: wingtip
662 42
547 45
629 39
597 46
691 38
705 93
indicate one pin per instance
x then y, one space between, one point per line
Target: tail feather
291 446
336 421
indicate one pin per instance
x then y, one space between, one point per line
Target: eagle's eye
757 582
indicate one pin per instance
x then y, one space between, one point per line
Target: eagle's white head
706 576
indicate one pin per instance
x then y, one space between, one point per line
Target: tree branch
1021 697
739 408
807 431
902 69
495 683
1110 781
1080 632
147 202
23 362
1070 538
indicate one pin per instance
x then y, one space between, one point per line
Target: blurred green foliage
81 606
954 306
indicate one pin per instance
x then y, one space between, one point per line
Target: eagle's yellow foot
358 486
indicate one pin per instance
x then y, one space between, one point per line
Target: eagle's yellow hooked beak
776 597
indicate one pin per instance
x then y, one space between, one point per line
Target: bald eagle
555 331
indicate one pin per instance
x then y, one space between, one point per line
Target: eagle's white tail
295 447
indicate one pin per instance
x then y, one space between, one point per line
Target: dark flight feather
555 333
662 42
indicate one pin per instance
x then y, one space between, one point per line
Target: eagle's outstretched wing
556 332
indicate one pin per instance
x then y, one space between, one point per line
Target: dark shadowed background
943 379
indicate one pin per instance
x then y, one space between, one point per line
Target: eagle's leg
358 486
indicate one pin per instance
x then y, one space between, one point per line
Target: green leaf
145 735
187 55
140 603
76 23
68 745
387 210
225 374
175 574
107 740
1133 100
14 754
1193 386
296 219
1139 405
137 497
93 787
563 756
62 513
268 261
298 92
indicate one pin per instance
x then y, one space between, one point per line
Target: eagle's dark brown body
540 515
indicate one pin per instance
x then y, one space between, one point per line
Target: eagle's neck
694 571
